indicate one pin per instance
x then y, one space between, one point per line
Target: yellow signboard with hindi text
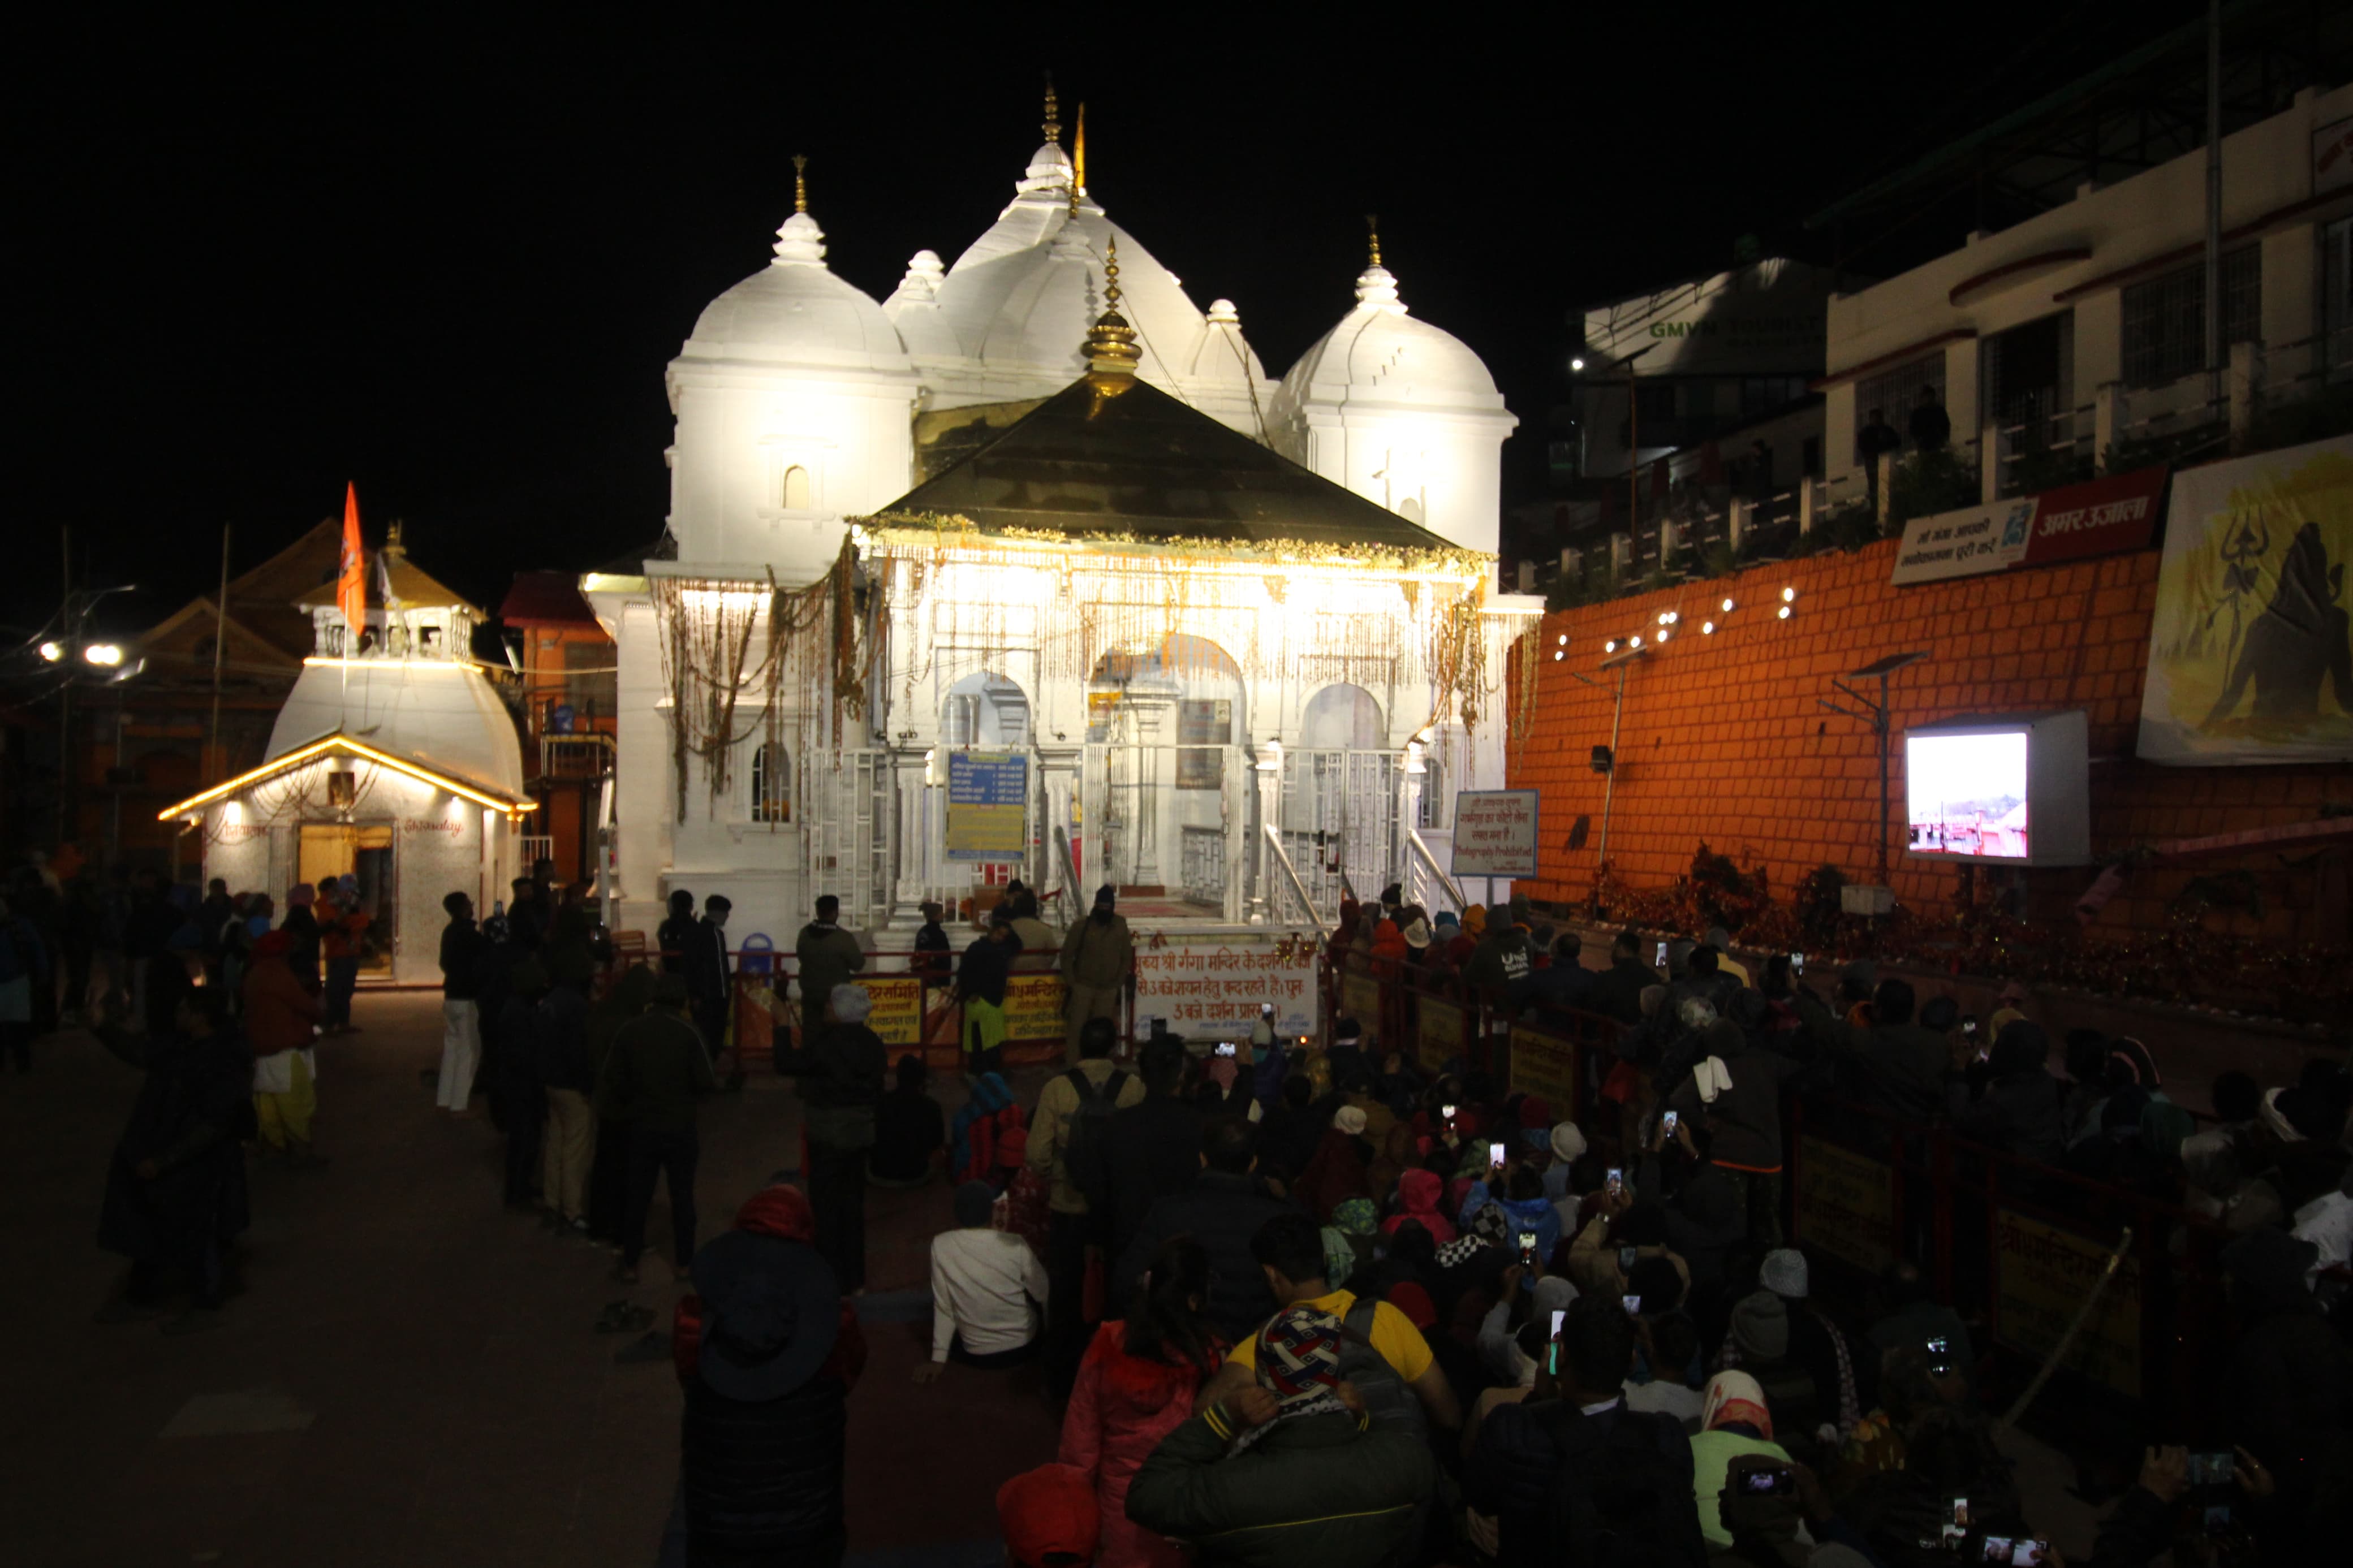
1545 1064
898 1015
2042 1276
1844 1204
1440 1034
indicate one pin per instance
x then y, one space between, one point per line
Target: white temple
1012 572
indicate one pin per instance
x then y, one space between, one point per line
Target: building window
771 784
796 488
1894 395
2165 318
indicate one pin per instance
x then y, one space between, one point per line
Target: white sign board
1211 987
1495 833
1963 543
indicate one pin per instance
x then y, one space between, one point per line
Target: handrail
1340 859
1429 862
1281 858
1068 865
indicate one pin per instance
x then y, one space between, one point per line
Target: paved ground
410 1374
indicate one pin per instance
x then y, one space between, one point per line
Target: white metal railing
537 847
1427 878
1288 882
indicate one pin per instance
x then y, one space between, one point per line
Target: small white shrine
394 760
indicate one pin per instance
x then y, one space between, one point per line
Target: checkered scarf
1299 1363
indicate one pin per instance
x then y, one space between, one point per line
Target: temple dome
1379 353
796 311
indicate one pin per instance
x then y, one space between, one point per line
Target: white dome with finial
796 311
1379 353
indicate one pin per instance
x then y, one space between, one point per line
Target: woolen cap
1568 1143
1349 1120
1104 897
1784 1273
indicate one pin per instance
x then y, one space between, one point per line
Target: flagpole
220 639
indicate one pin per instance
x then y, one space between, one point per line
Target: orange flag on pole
351 581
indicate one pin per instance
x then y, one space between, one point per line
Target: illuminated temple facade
1031 569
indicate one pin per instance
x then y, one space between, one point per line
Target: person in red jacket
280 1019
1136 1385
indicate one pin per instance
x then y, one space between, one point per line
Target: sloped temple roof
1115 456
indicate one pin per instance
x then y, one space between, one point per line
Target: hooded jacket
1313 1491
1418 1193
1098 956
1120 1409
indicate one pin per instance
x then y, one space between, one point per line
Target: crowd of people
1295 1298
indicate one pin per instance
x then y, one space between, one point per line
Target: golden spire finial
1111 342
800 184
1373 228
1079 152
1053 126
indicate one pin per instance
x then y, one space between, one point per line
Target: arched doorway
1340 796
985 712
1168 777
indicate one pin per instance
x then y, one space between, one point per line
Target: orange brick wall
1724 739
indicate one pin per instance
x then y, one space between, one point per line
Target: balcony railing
587 756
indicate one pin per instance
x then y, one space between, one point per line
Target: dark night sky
450 260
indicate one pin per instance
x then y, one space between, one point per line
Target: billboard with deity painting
2249 658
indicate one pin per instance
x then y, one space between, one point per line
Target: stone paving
410 1373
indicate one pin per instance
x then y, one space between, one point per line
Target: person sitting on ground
1288 1446
1223 1209
1336 1172
1226 1089
1618 1221
768 1351
1136 1385
1735 1421
910 1130
1530 1480
1289 1250
1156 1146
1841 1377
988 1290
1670 1354
1761 1337
1913 1316
1948 1454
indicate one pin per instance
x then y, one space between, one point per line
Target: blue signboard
988 793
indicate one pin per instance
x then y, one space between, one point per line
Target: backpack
1389 1402
1623 1502
1086 1144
